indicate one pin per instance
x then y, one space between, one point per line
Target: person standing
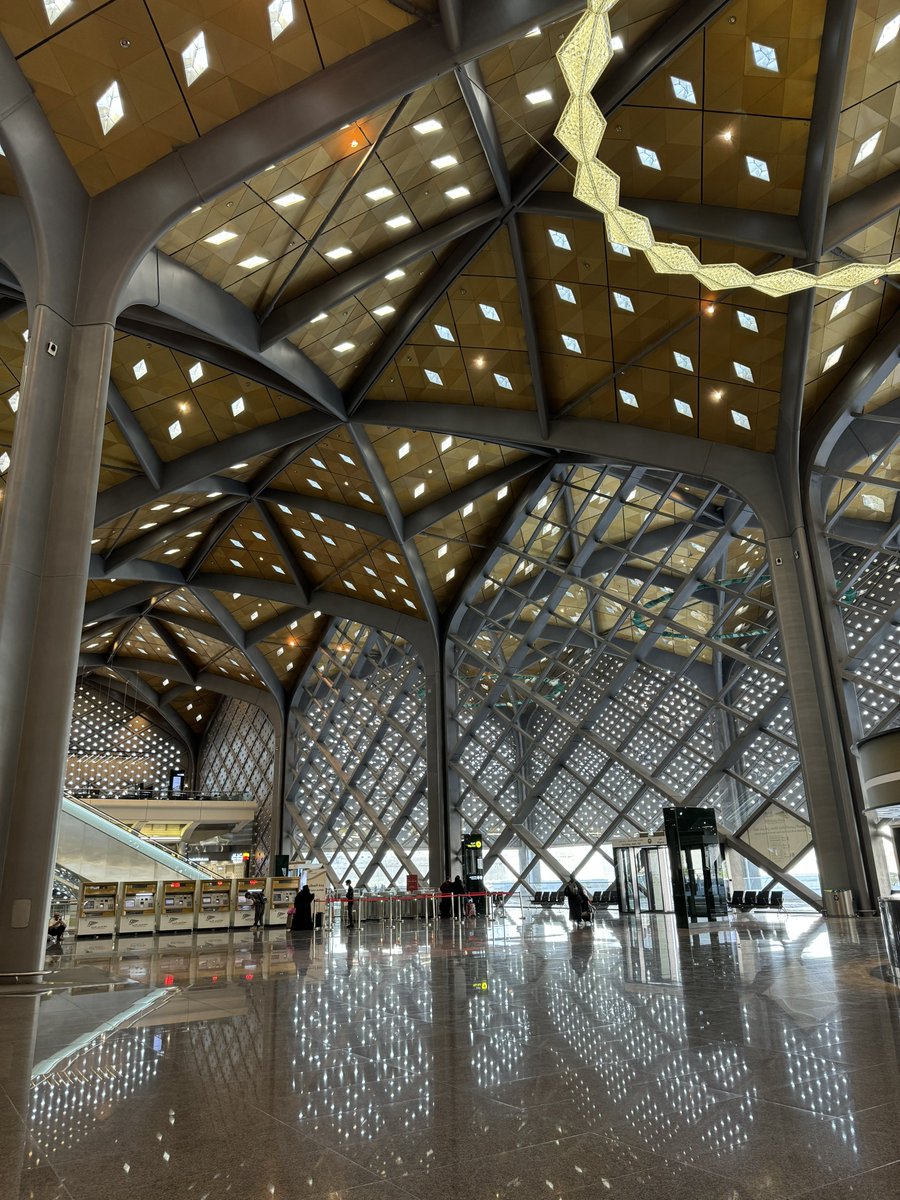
303 902
349 897
574 895
459 890
446 899
258 900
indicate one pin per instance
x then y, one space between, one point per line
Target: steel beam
136 439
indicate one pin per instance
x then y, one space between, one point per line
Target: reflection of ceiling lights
583 57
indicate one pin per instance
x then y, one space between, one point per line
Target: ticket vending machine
138 907
97 910
216 906
472 855
242 913
179 903
280 895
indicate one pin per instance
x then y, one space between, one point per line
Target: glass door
623 860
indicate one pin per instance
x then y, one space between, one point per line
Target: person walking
575 896
303 917
349 897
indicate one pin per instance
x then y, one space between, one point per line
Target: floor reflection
513 1059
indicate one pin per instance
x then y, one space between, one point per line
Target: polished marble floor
513 1060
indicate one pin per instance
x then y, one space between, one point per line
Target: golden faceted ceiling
454 306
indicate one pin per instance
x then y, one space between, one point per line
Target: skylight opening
55 9
571 343
195 58
565 293
260 537
338 252
488 311
365 496
344 347
443 161
397 273
833 358
628 398
313 483
237 406
682 407
458 192
888 33
468 510
875 503
289 199
379 193
757 167
649 158
616 43
383 310
503 492
430 125
446 444
347 459
140 369
284 508
419 490
740 419
683 89
450 574
110 108
503 382
840 305
764 56
559 239
747 321
409 603
434 377
683 360
619 248
234 562
442 550
403 450
254 261
321 317
624 302
743 372
473 462
867 148
175 430
443 332
540 96
317 462
309 554
221 237
398 222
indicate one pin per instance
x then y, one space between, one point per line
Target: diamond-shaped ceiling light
110 108
195 58
281 14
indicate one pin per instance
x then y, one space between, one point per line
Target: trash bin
839 902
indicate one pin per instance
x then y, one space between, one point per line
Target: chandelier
583 57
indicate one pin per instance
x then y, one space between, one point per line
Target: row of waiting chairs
601 899
746 901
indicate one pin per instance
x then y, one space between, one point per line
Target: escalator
95 847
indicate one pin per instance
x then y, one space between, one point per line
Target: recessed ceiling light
742 421
764 56
840 304
559 239
757 167
398 222
683 360
446 444
237 406
434 377
444 161
450 574
397 273
148 525
623 301
195 372
419 490
503 381
747 321
541 96
503 493
338 252
743 372
867 148
159 507
195 58
683 89
628 398
833 358
55 9
888 33
442 550
220 238
443 332
281 14
473 462
457 192
110 108
649 158
379 193
175 430
571 343
468 510
288 199
565 293
403 450
255 260
383 310
315 320
683 408
430 125
343 347
140 369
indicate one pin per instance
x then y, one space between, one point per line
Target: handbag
291 911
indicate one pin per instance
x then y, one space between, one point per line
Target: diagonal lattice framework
623 655
355 766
